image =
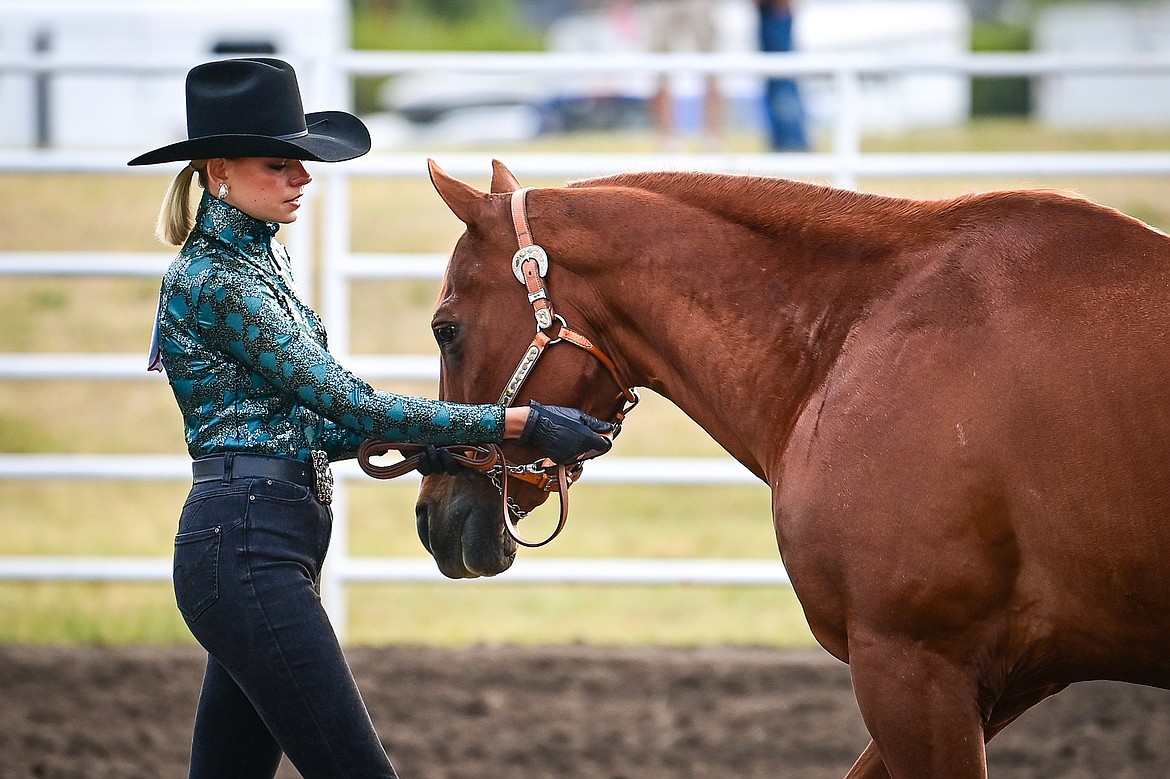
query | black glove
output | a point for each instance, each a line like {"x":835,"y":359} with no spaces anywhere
{"x":432,"y":459}
{"x":565,"y":434}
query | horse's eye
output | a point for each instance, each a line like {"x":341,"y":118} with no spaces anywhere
{"x":445,"y":334}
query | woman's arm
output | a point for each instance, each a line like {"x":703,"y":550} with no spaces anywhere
{"x":244,"y":319}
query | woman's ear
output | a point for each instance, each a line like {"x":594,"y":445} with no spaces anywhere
{"x":217,"y":172}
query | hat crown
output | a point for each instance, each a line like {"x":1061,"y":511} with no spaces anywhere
{"x":244,"y":97}
{"x":251,"y":107}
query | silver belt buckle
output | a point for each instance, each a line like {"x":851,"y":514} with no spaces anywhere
{"x":324,"y":477}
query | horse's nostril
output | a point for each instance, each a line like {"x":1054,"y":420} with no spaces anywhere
{"x":422,"y":524}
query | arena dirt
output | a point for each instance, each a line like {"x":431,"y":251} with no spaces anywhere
{"x":567,"y":712}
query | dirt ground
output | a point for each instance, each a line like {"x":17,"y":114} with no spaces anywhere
{"x":550,"y":712}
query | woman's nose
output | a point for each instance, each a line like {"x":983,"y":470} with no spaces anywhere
{"x":301,"y":176}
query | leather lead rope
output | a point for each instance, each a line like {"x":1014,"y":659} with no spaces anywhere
{"x":476,"y":458}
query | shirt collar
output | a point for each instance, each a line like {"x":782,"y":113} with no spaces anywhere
{"x":227,"y":224}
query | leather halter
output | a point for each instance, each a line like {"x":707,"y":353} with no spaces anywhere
{"x":530,"y":265}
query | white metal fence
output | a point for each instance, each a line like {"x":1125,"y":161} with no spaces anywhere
{"x":844,"y":163}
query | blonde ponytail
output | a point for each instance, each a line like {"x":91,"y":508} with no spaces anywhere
{"x":174,"y":218}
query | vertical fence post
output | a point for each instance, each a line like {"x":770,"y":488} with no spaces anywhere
{"x":847,"y":128}
{"x":42,"y":93}
{"x":335,"y":250}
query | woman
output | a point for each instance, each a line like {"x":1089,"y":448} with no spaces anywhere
{"x":265,"y":408}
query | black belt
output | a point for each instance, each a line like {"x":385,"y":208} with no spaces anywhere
{"x":241,"y":465}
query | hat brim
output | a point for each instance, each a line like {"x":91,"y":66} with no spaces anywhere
{"x":333,"y":136}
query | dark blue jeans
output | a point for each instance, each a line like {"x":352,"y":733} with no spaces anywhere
{"x":782,"y":102}
{"x":248,"y":558}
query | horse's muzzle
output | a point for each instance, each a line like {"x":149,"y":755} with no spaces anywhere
{"x":461,"y":528}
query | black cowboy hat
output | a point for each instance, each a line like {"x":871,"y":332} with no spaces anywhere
{"x":252,"y":108}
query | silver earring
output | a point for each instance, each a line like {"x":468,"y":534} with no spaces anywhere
{"x":223,"y":191}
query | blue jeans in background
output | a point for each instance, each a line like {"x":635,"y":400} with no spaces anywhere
{"x":248,"y":558}
{"x":782,"y":103}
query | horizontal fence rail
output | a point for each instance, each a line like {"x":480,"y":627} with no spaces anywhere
{"x":157,"y":467}
{"x":641,"y":470}
{"x":329,"y":82}
{"x":411,"y":570}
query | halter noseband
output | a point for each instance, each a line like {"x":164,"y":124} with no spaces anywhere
{"x":530,"y":266}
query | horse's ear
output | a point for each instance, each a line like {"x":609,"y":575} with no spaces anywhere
{"x":503,"y":180}
{"x":464,"y":200}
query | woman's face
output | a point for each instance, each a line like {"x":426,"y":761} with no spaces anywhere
{"x":264,"y":188}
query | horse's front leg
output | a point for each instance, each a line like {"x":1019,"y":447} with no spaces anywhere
{"x":921,"y":709}
{"x":869,"y":765}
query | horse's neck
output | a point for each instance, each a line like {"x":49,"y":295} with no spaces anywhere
{"x":732,"y":326}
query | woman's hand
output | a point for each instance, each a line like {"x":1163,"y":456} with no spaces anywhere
{"x":437,"y":460}
{"x":564,"y":434}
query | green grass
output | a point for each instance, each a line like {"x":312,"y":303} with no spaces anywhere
{"x":476,"y":25}
{"x":83,"y":613}
{"x":450,"y":614}
{"x":65,"y":212}
{"x":467,"y":613}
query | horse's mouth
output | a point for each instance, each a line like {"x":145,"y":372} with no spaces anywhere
{"x":475,"y":543}
{"x":487,"y":549}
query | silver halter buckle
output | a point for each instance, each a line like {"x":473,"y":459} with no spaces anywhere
{"x":530,"y":252}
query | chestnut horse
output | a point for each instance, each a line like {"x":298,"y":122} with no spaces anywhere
{"x":962,"y":408}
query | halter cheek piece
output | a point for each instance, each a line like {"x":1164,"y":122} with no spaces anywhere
{"x":530,"y":266}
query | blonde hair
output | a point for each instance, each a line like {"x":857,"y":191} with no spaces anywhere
{"x":174,"y":218}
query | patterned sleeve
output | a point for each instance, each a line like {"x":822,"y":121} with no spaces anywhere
{"x":338,"y":442}
{"x":243,"y":318}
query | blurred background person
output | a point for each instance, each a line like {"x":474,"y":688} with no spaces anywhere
{"x":683,"y":25}
{"x":782,"y":104}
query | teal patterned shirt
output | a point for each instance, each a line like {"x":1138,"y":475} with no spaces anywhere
{"x":248,"y":360}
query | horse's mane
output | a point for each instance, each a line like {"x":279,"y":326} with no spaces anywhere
{"x":777,"y":207}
